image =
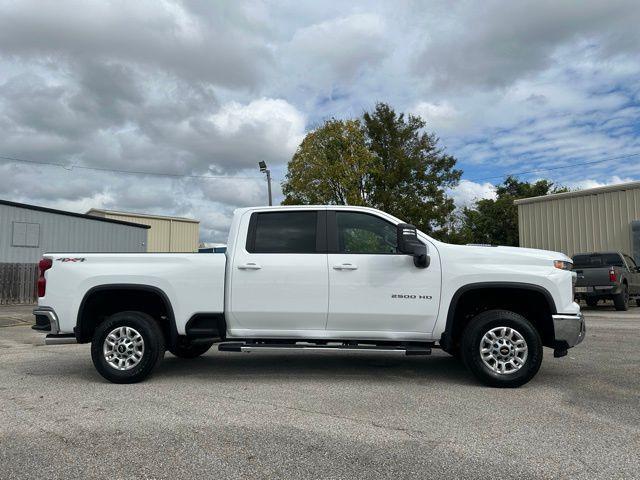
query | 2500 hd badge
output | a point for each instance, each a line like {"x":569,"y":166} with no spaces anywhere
{"x":411,"y":296}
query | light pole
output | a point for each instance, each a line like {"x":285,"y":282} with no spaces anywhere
{"x":264,"y":169}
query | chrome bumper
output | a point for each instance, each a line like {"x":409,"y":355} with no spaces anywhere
{"x":570,"y":330}
{"x":51,"y":316}
{"x":54,"y":337}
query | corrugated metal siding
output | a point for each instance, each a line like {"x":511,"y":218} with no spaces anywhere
{"x":185,"y":236}
{"x":591,"y":222}
{"x":166,"y":234}
{"x":18,"y":283}
{"x":61,"y":233}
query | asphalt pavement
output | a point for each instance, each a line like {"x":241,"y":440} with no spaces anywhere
{"x":320,"y":415}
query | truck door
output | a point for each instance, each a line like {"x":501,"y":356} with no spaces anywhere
{"x":278,"y":277}
{"x":634,"y":275}
{"x":372,"y":288}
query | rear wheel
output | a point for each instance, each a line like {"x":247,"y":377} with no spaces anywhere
{"x":621,"y":300}
{"x":127,"y":346}
{"x":638,"y":302}
{"x":190,"y":349}
{"x":592,"y":302}
{"x":502,"y":348}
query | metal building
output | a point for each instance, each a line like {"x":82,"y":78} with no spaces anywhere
{"x":167,"y":234}
{"x":595,"y":219}
{"x":28,"y":231}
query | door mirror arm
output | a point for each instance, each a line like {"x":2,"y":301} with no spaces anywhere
{"x":409,"y":244}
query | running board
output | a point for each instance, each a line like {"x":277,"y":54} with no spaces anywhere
{"x":60,"y":339}
{"x":256,"y":347}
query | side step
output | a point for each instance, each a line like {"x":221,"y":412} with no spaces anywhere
{"x":60,"y":339}
{"x":339,"y":347}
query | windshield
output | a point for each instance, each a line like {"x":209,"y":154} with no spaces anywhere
{"x":597,"y":260}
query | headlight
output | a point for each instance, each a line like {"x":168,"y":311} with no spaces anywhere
{"x":562,"y":264}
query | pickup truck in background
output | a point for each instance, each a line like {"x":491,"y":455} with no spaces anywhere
{"x":324,"y":278}
{"x":607,"y":276}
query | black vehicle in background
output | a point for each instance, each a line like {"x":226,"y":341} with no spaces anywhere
{"x":607,"y":276}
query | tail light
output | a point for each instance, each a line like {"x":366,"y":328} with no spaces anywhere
{"x":44,"y":265}
{"x":612,"y":275}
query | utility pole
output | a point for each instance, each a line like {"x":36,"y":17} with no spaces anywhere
{"x":264,"y":169}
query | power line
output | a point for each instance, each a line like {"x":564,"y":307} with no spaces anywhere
{"x":557,"y":168}
{"x":222,"y":177}
{"x":130,"y":172}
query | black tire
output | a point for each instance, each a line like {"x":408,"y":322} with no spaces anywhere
{"x":621,"y":300}
{"x":471,"y":341}
{"x":153,"y":351}
{"x":190,"y":349}
{"x":638,"y":302}
{"x":592,"y":302}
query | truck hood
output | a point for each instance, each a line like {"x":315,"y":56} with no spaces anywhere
{"x":505,"y":255}
{"x":533,"y":252}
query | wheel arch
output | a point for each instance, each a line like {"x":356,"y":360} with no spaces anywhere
{"x":455,"y":319}
{"x":136,"y":297}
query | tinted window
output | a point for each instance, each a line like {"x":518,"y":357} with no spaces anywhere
{"x":285,"y":232}
{"x":363,"y":233}
{"x":597,"y":260}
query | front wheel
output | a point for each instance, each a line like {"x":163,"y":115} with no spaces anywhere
{"x":127,"y":346}
{"x":502,"y":348}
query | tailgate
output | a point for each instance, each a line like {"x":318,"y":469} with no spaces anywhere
{"x":592,"y":277}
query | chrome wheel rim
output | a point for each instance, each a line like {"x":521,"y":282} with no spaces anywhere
{"x":123,"y":348}
{"x":503,"y":350}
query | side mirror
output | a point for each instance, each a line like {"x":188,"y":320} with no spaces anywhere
{"x":409,"y":244}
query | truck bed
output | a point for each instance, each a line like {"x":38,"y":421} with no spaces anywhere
{"x":193,"y":282}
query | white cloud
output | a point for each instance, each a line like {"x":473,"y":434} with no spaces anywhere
{"x":468,"y":192}
{"x":588,"y":183}
{"x":341,"y":44}
{"x":331,"y":54}
{"x":279,"y":124}
{"x":493,"y":43}
{"x":439,"y":116}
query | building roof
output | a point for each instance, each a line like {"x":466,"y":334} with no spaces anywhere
{"x":141,"y":215}
{"x":581,"y":193}
{"x":70,"y":214}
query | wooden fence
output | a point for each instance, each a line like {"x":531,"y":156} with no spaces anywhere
{"x":18,"y":283}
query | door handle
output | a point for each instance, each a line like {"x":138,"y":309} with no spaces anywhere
{"x":249,"y":266}
{"x":345,"y":266}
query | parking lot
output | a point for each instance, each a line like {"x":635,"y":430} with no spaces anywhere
{"x":316,"y":415}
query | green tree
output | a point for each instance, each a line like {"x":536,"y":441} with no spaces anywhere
{"x":386,"y":161}
{"x":331,"y":166}
{"x":412,"y":172}
{"x":496,"y":221}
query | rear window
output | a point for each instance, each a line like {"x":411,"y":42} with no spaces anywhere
{"x":597,"y":260}
{"x":284,"y":232}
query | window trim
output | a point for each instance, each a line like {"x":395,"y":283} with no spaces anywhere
{"x":321,"y":232}
{"x":332,"y":232}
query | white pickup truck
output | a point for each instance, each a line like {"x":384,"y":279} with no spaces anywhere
{"x":315,"y":278}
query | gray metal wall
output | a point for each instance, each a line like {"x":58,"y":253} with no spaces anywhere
{"x":18,"y":283}
{"x":63,"y":233}
{"x":591,"y":220}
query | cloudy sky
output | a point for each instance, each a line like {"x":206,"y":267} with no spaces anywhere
{"x":209,"y":88}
